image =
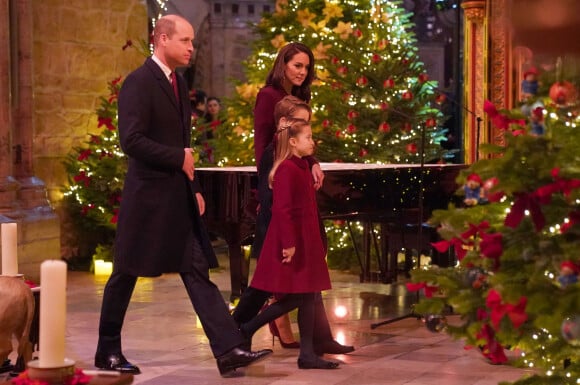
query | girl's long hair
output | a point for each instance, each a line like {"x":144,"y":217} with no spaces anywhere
{"x":276,"y":76}
{"x":291,"y":128}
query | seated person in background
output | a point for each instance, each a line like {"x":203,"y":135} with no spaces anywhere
{"x":198,"y":99}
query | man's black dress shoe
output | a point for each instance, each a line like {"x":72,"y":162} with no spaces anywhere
{"x":237,"y":358}
{"x":116,"y":362}
{"x":318,"y":363}
{"x":332,"y":347}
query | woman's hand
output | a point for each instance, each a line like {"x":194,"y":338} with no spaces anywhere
{"x":287,"y":254}
{"x":318,"y":176}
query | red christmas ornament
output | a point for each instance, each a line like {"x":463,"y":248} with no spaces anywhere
{"x":376,"y":58}
{"x":407,"y":127}
{"x":383,"y":43}
{"x":352,"y":114}
{"x":357,"y":33}
{"x":363,"y":152}
{"x":411,"y":148}
{"x":389,"y":83}
{"x":326,"y":123}
{"x":563,"y":93}
{"x":362,"y":81}
{"x":336,"y":85}
{"x":423,"y":78}
{"x":343,"y":70}
{"x":384,"y":106}
{"x":407,"y":95}
{"x":338,"y":134}
{"x":430,"y":122}
{"x":351,"y":128}
{"x":384,"y":127}
{"x":335,"y":60}
{"x":440,"y":98}
{"x":346,"y":96}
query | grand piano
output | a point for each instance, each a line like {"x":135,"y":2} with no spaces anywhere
{"x":383,"y":194}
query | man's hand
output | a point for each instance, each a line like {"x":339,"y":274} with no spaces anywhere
{"x":287,"y":254}
{"x":200,"y":203}
{"x":318,"y":176}
{"x":188,"y":163}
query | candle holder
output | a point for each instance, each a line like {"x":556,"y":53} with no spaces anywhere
{"x":21,"y":276}
{"x":59,"y":375}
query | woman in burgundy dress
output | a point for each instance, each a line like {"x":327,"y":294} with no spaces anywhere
{"x":292,"y":261}
{"x":274,"y":102}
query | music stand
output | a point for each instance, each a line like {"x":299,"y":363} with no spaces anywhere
{"x":412,"y":314}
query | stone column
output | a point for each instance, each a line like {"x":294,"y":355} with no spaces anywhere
{"x":32,"y":194}
{"x":474,"y":76}
{"x":23,"y":198}
{"x":8,"y":185}
{"x":501,"y":80}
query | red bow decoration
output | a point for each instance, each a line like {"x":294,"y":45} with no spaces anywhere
{"x":565,"y":186}
{"x":492,"y":349}
{"x":530,"y":202}
{"x":516,"y":313}
{"x":475,"y":229}
{"x":429,"y":290}
{"x":491,"y":247}
{"x":443,"y":246}
{"x":459,"y":243}
{"x":499,"y":120}
{"x":107,"y":122}
{"x":573,"y":219}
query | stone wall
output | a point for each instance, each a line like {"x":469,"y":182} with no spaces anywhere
{"x":77,"y":51}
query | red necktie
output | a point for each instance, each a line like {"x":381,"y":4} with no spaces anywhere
{"x":174,"y":84}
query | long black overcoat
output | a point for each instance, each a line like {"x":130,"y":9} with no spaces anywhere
{"x":158,"y":218}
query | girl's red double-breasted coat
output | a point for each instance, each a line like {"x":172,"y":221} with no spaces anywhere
{"x":294,"y":223}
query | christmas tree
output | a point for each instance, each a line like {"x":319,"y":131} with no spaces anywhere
{"x":96,"y":172}
{"x":515,"y":286}
{"x":372,"y":96}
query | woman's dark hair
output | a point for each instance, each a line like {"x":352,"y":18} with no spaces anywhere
{"x":276,"y":76}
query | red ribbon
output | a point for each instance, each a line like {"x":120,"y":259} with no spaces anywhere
{"x":492,"y":349}
{"x":573,"y":219}
{"x":499,"y":120}
{"x":491,"y":247}
{"x":525,"y":202}
{"x":429,"y":290}
{"x":516,"y":313}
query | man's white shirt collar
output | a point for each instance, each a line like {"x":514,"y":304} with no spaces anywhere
{"x":166,"y":70}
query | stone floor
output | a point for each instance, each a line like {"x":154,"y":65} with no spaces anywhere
{"x":163,"y":337}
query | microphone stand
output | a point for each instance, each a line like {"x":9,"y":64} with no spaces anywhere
{"x":478,"y":119}
{"x":412,"y":313}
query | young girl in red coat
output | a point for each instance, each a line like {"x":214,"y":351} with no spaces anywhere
{"x":292,"y":261}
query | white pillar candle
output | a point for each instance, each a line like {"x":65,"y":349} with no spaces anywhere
{"x":52,"y":314}
{"x":9,"y":249}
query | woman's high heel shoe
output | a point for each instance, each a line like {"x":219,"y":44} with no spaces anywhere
{"x":276,"y":333}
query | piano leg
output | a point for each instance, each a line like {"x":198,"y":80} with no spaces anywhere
{"x":239,"y":263}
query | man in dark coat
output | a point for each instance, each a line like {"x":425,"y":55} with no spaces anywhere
{"x":159,"y":228}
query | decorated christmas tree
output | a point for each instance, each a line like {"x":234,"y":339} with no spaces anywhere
{"x":96,"y":172}
{"x":372,"y":96}
{"x":515,"y":286}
